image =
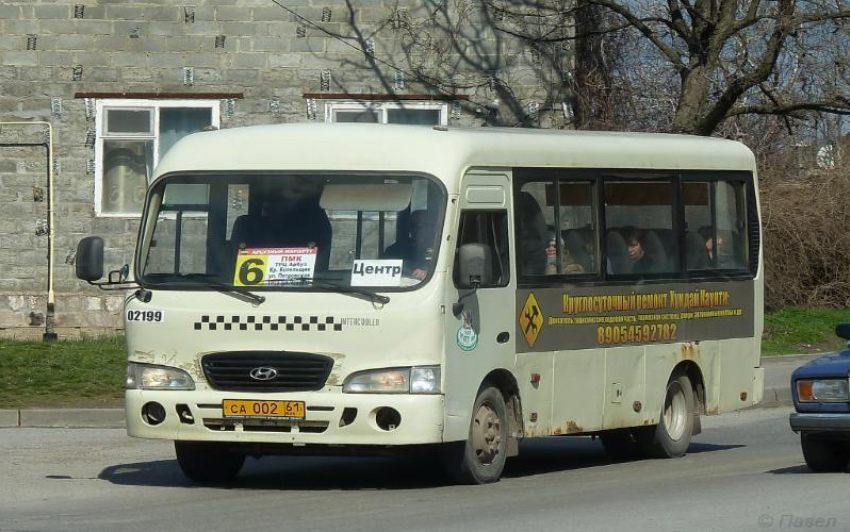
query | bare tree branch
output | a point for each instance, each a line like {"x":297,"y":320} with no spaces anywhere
{"x":671,"y":53}
{"x":839,"y":106}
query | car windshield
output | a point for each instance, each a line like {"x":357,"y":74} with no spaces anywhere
{"x":298,"y":232}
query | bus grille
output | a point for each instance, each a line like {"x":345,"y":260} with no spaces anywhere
{"x":293,"y":372}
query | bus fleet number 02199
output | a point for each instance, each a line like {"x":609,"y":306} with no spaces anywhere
{"x":154,"y":316}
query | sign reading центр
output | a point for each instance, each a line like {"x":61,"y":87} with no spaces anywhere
{"x":376,"y":273}
{"x":261,"y":266}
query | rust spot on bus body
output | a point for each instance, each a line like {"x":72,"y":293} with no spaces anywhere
{"x":531,"y":432}
{"x":689,"y":350}
{"x":573,"y":428}
{"x":569,"y":427}
{"x":334,"y":377}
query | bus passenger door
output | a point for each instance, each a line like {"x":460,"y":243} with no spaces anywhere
{"x":479,"y":323}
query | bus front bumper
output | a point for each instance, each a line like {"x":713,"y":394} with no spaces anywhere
{"x":331,"y":418}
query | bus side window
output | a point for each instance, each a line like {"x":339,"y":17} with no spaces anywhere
{"x":491,"y":229}
{"x":555,"y":227}
{"x":715,"y":218}
{"x":642,"y":213}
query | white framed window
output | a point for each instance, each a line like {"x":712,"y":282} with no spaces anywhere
{"x":424,"y":113}
{"x":132,"y":136}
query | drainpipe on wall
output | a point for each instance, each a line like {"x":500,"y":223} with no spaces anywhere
{"x":49,"y":320}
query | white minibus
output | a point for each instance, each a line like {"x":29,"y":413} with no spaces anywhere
{"x":348,"y":288}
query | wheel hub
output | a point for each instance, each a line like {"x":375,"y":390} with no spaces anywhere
{"x":486,"y":434}
{"x":675,"y":411}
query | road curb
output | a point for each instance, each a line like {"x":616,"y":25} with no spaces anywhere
{"x":70,"y":418}
{"x":9,"y":419}
{"x":775,"y":397}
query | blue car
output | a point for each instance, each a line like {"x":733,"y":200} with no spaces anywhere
{"x":821,"y":393}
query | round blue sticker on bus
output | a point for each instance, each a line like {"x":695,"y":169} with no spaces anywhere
{"x":467,"y":338}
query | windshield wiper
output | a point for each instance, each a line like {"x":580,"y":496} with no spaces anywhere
{"x":341,"y":289}
{"x":236,"y":291}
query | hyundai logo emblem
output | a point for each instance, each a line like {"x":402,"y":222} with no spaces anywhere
{"x":263,"y":373}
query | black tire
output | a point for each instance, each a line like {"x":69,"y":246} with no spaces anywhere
{"x":208,"y":462}
{"x":622,"y":445}
{"x":671,"y":437}
{"x":824,"y":456}
{"x":481,"y":458}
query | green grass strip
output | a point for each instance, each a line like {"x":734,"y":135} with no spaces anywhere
{"x":794,"y":330}
{"x":65,"y":373}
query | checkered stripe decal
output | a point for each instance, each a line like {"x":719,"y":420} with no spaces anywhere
{"x":268,"y":323}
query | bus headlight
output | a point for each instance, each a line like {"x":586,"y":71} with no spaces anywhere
{"x":825,"y":390}
{"x":425,"y":379}
{"x":419,"y":380}
{"x":144,"y":377}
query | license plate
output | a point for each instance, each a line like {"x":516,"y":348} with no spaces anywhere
{"x":242,"y":408}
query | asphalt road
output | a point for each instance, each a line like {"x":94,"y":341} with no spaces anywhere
{"x":745,"y":472}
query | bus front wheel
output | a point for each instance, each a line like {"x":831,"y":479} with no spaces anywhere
{"x":672,"y":435}
{"x":208,"y":462}
{"x":481,"y":458}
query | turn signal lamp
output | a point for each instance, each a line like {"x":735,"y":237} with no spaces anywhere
{"x":804,"y":391}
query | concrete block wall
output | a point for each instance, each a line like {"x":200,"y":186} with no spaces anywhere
{"x":53,"y":50}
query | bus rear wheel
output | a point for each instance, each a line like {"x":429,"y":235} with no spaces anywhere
{"x":672,"y":435}
{"x":481,"y":458}
{"x":208,"y":462}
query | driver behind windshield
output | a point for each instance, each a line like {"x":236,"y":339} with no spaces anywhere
{"x":417,"y":249}
{"x":290,"y":216}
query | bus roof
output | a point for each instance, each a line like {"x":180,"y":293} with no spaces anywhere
{"x":442,"y":152}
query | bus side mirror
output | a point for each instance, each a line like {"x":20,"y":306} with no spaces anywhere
{"x":842,"y":330}
{"x":90,"y":259}
{"x":475,"y":266}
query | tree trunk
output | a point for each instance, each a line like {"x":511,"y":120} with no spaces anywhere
{"x":592,"y":81}
{"x":693,"y":101}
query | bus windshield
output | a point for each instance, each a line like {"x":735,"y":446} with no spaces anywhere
{"x":291,"y":232}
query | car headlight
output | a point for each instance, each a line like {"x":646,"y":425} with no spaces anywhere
{"x":418,"y":380}
{"x":823,"y":390}
{"x":144,"y":377}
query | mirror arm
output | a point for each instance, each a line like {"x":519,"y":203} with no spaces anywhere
{"x":457,"y":308}
{"x":109,"y":285}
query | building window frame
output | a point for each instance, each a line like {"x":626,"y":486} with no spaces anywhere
{"x":103,"y":106}
{"x":382,"y":108}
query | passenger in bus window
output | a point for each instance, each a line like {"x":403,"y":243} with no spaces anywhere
{"x":580,"y":251}
{"x":729,"y":255}
{"x":642,"y":262}
{"x":725,"y":258}
{"x":568,"y":263}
